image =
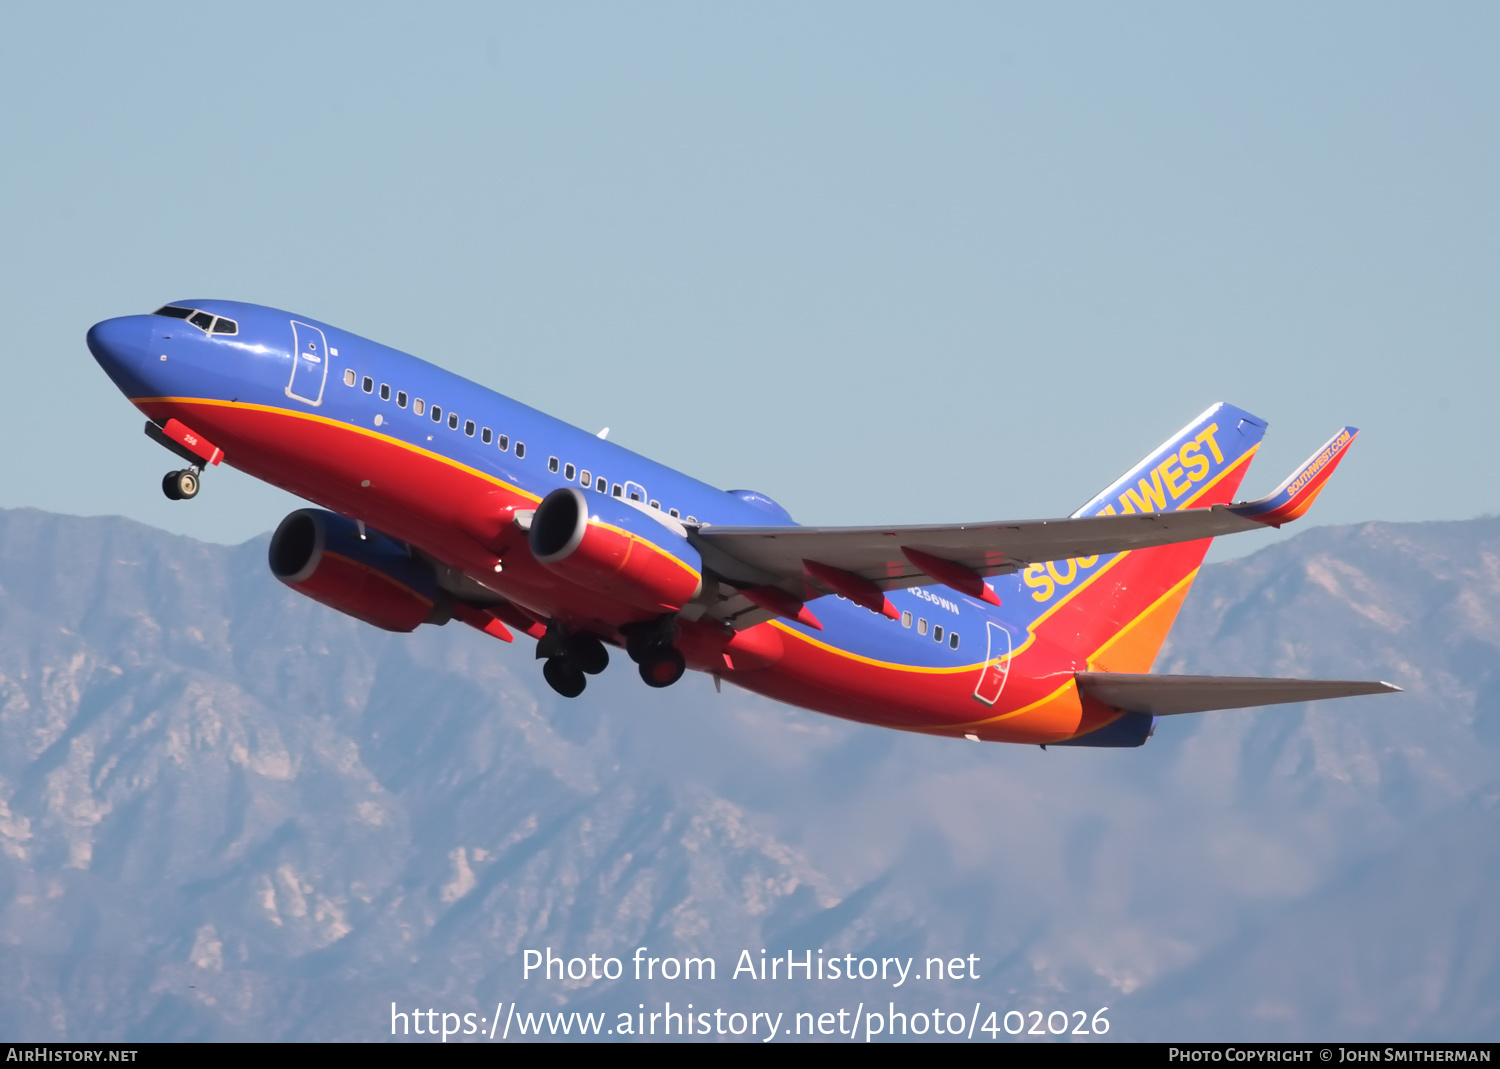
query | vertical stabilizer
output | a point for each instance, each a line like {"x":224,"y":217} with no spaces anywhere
{"x":1122,"y":606}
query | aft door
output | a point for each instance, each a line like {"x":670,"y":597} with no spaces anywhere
{"x":309,"y":365}
{"x":996,"y":664}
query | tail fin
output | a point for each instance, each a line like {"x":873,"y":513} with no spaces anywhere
{"x":1123,"y":606}
{"x":1200,"y":465}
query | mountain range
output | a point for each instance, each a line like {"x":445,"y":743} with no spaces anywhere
{"x":227,"y":812}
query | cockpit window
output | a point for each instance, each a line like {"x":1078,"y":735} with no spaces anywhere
{"x":204,"y":321}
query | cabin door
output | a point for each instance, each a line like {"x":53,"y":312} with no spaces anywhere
{"x":309,"y":364}
{"x":996,"y":664}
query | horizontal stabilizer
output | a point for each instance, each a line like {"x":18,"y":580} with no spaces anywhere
{"x":1162,"y":695}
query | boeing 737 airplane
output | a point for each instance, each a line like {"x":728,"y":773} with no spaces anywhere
{"x":445,"y":500}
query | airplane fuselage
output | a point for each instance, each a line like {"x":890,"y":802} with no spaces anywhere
{"x":452,"y":469}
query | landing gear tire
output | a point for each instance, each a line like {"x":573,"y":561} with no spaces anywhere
{"x":563,"y":676}
{"x":589,"y":654}
{"x":662,"y":667}
{"x":180,"y":485}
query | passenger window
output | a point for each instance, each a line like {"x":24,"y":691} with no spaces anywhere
{"x":469,"y":427}
{"x":226,"y":326}
{"x":569,"y":471}
{"x":692,"y":519}
{"x":656,"y":505}
{"x":201,"y":319}
{"x":485,"y":436}
{"x":937,"y":632}
{"x":349,"y":376}
{"x":953,"y":640}
{"x":552,"y":465}
{"x":437,"y":413}
{"x":504,"y":443}
{"x":584,"y":478}
{"x":601,"y":484}
{"x":385,"y":391}
{"x":453,"y":421}
{"x":634,"y":496}
{"x":619,"y":490}
{"x":906,"y":618}
{"x":673,"y":513}
{"x":368,"y":385}
{"x":921,"y":625}
{"x":416,"y":406}
{"x":520,"y":450}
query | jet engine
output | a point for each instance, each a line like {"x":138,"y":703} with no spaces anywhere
{"x":361,"y":573}
{"x":637,"y":555}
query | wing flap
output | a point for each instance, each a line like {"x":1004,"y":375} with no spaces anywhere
{"x":1163,"y":695}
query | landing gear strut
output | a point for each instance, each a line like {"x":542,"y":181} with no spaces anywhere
{"x":180,"y":485}
{"x":570,"y":659}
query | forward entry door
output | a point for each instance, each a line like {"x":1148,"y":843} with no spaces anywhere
{"x":309,"y":365}
{"x":996,"y":664}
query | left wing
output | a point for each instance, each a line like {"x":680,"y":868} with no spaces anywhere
{"x":775,"y":569}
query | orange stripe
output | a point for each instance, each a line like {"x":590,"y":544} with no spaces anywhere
{"x":1178,"y":591}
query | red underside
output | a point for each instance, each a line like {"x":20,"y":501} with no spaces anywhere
{"x":465,"y":521}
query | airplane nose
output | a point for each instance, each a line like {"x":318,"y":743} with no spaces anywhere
{"x":120,"y":346}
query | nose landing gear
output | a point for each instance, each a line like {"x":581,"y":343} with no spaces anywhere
{"x":180,"y":485}
{"x":192,"y":447}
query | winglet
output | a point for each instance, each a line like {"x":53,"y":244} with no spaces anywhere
{"x":1295,"y":496}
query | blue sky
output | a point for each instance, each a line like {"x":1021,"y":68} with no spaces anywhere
{"x":884,"y":263}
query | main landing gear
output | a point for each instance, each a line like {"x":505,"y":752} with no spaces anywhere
{"x":570,"y":659}
{"x":650,"y":646}
{"x":181,"y":485}
{"x":662,"y":666}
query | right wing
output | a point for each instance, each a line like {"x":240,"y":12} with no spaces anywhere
{"x":762,"y":565}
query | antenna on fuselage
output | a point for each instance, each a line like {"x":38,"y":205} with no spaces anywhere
{"x":604,"y":433}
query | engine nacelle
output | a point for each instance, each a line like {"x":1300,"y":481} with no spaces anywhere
{"x":637,"y":556}
{"x":374,"y":578}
